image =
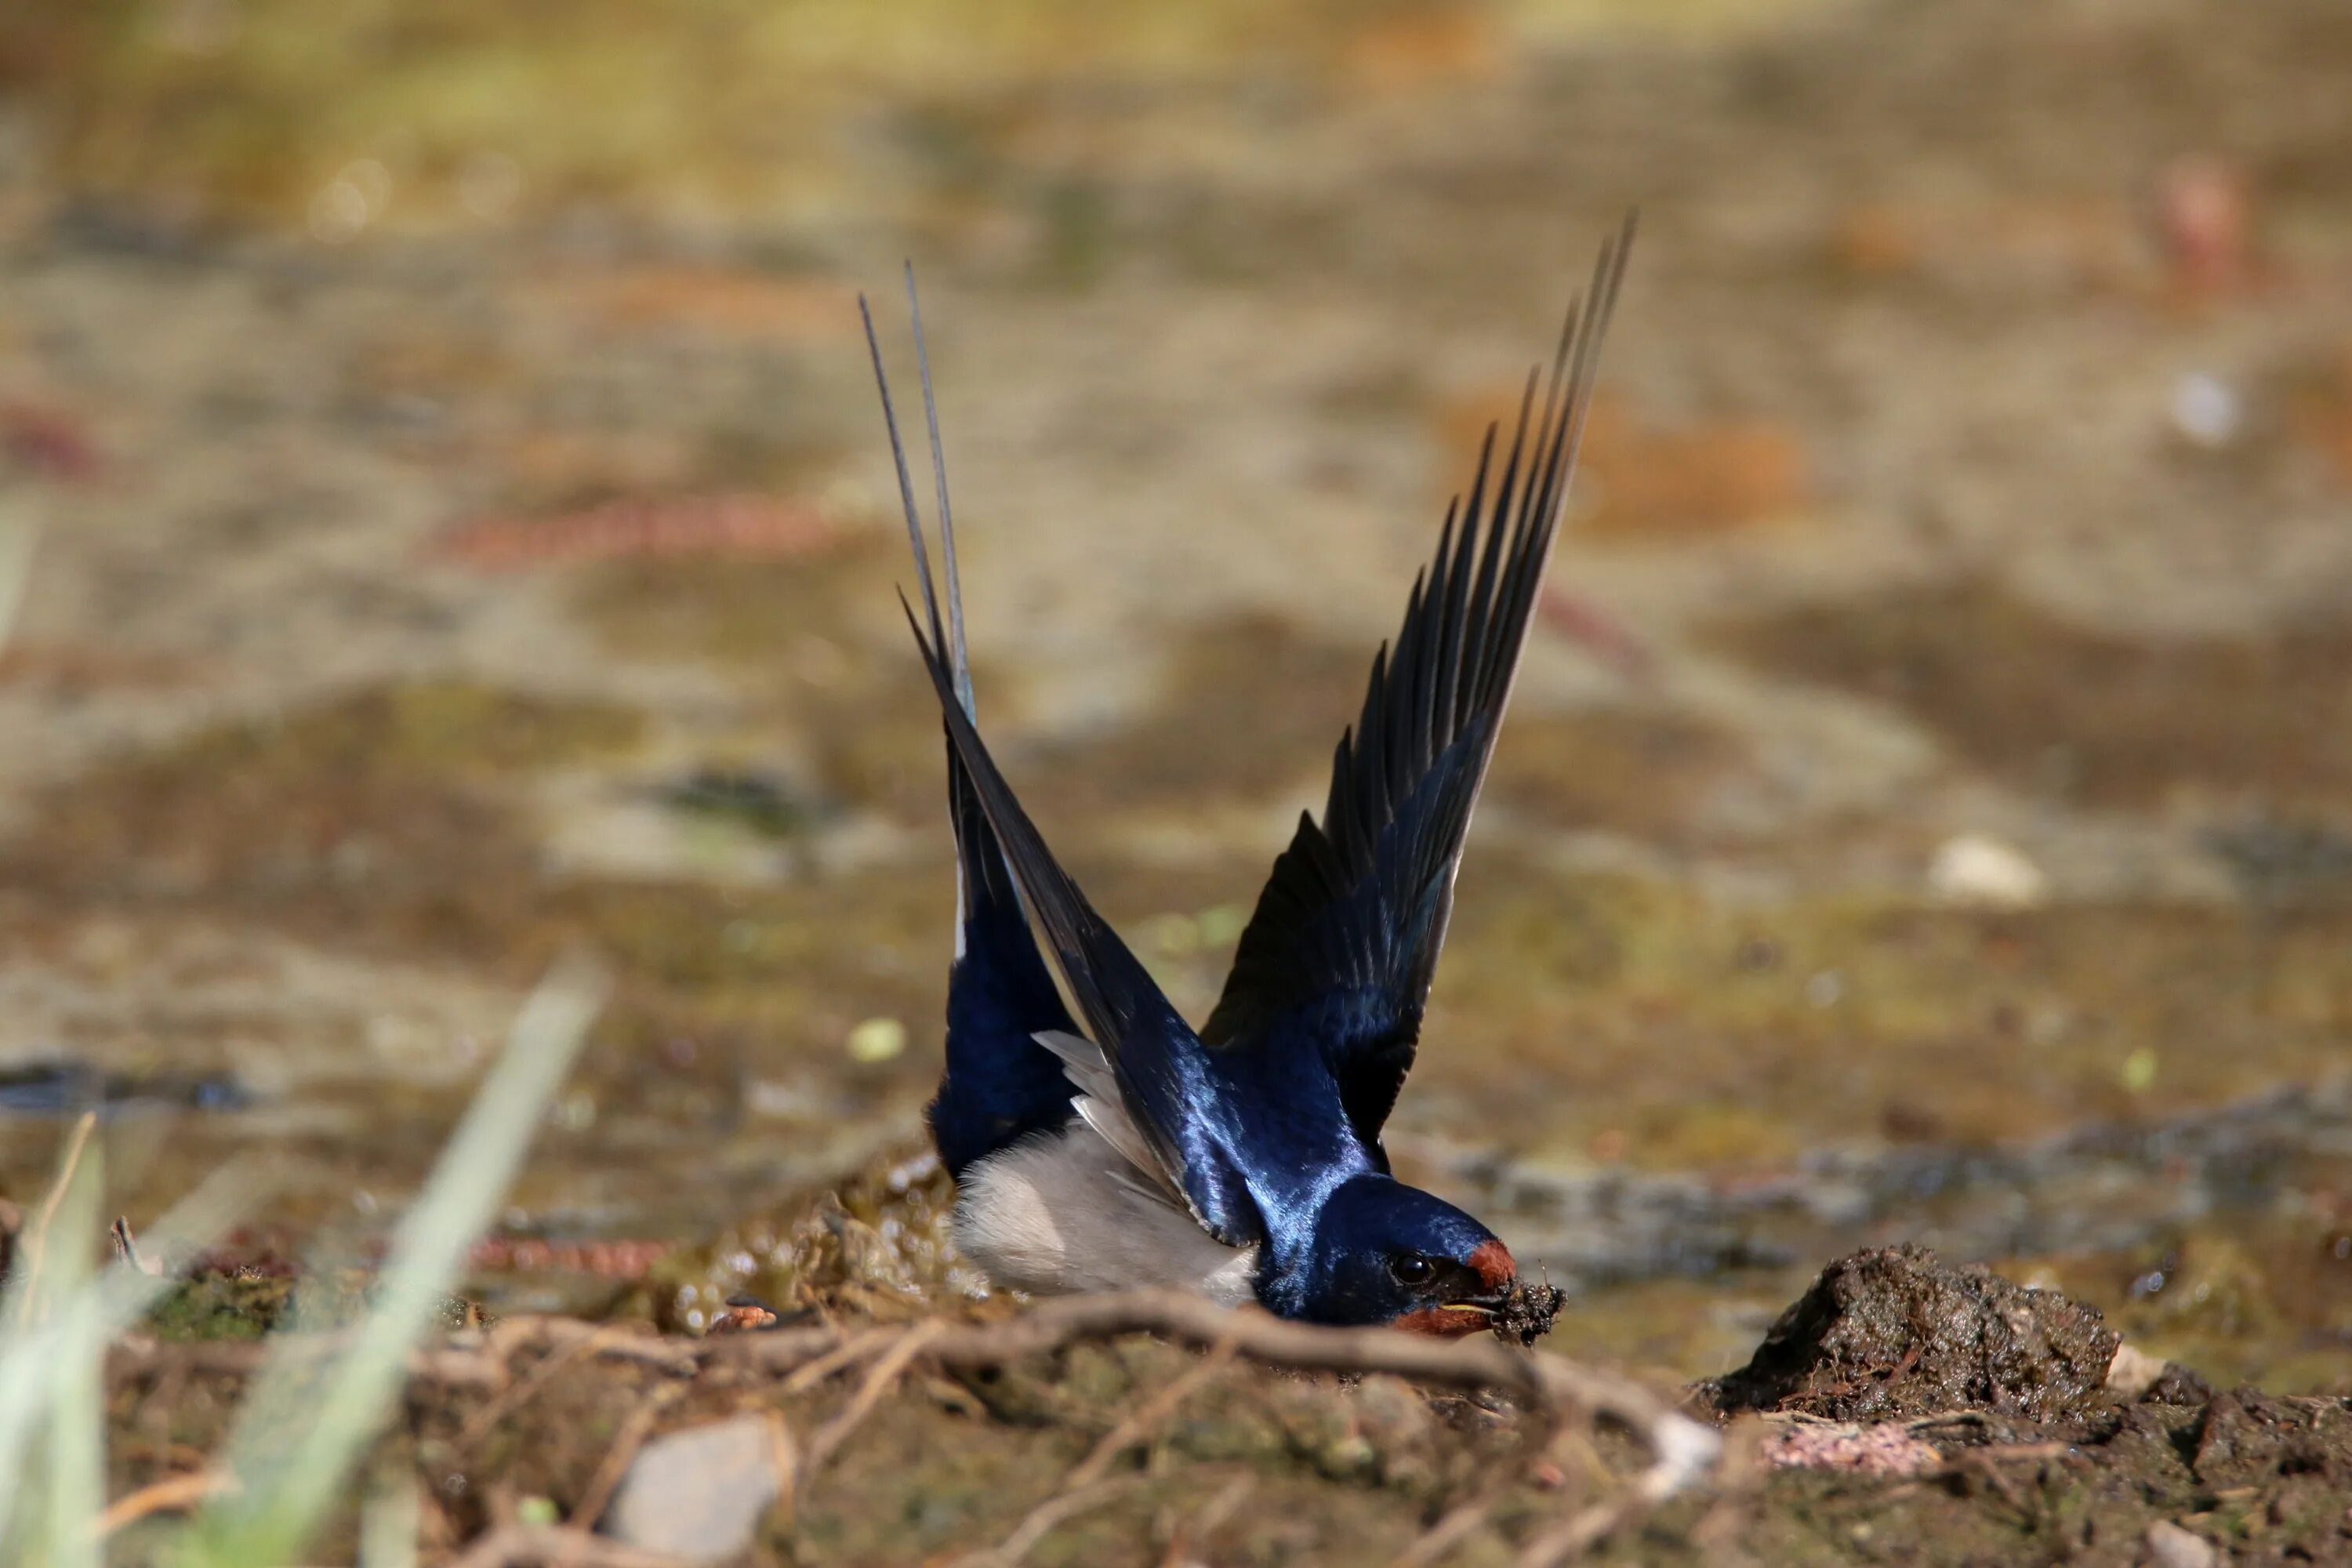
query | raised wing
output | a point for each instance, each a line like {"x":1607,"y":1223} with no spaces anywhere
{"x":1163,"y":1074}
{"x":1337,"y":957}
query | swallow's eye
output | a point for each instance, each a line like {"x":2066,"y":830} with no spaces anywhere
{"x":1411,"y":1268}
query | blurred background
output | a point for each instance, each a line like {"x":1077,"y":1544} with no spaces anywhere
{"x":465,"y":531}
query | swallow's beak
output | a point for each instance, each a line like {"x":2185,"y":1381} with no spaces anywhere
{"x":1498,"y":1275}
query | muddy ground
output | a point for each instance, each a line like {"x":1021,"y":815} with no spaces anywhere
{"x":1927,"y":814}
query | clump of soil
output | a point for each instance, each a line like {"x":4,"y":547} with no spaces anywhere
{"x":1897,"y":1332}
{"x":1529,"y":1311}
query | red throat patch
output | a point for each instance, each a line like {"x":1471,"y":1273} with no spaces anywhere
{"x":1444,"y":1322}
{"x":1494,"y":1265}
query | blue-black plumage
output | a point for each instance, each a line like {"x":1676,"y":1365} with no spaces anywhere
{"x":1122,"y":1148}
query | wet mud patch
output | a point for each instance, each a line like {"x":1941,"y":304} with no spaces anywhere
{"x":1247,"y":710}
{"x":390,"y":788}
{"x":818,"y":640}
{"x":2253,"y":1296}
{"x":1645,"y":772}
{"x":1612,"y":1019}
{"x":389,"y":828}
{"x":2081,"y":714}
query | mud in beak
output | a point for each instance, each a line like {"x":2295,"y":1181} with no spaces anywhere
{"x":1526,"y":1313}
{"x":1509,"y":1306}
{"x":1479,"y":1310}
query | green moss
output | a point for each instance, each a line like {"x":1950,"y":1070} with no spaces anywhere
{"x":221,"y":1306}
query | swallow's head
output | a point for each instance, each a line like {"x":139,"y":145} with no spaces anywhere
{"x":1387,"y":1253}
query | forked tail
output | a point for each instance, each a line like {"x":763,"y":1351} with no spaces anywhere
{"x":1000,"y":1085}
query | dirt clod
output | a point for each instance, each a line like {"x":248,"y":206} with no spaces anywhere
{"x":1528,"y":1312}
{"x":1896,"y":1332}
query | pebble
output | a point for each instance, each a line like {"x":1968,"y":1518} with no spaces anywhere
{"x":2133,"y":1373}
{"x":2206,"y":411}
{"x":2169,"y":1546}
{"x":877,"y":1040}
{"x":1987,"y":873}
{"x":698,"y":1495}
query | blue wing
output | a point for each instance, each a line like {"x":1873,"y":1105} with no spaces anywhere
{"x":1001,"y":1084}
{"x":1336,"y":959}
{"x":1187,"y":1113}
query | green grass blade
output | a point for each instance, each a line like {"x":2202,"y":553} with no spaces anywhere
{"x":389,"y":1521}
{"x":75,"y":1395}
{"x":303,"y":1428}
{"x":79,"y":1326}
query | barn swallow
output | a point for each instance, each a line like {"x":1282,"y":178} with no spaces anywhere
{"x":1121,"y":1148}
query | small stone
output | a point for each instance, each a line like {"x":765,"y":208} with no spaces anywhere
{"x":2206,"y":411}
{"x":1986,"y":873}
{"x":2133,"y":1373}
{"x":699,"y":1494}
{"x":878,"y":1040}
{"x":2169,"y":1546}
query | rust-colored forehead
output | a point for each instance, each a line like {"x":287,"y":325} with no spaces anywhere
{"x":1494,"y":1265}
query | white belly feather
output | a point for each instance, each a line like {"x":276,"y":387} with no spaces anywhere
{"x":1066,"y":1213}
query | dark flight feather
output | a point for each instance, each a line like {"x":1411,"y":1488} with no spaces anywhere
{"x":1162,"y":1072}
{"x":1337,"y":957}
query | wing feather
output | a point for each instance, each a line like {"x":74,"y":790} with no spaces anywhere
{"x":1339,"y":954}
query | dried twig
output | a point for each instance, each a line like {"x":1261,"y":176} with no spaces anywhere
{"x":878,"y":1379}
{"x":1040,"y":1521}
{"x":846,"y":1354}
{"x":1147,"y":1416}
{"x":169,"y":1495}
{"x":634,"y":1429}
{"x":1470,"y":1515}
{"x":1681,"y":1445}
{"x":1681,"y":1450}
{"x":615,"y":1340}
{"x":785,"y":1456}
{"x":1455,"y":1525}
{"x":1213,"y":1513}
{"x":518,"y":1394}
{"x":1582,"y":1529}
{"x":35,"y":1236}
